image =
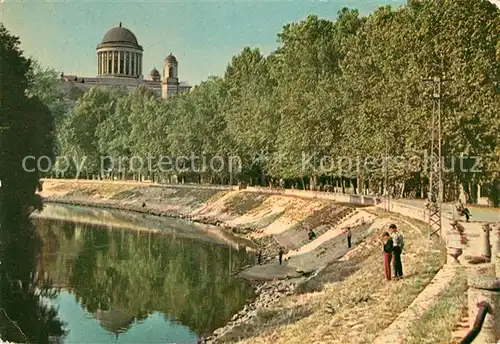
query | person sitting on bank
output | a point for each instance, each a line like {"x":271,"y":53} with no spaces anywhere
{"x":311,"y":234}
{"x":462,"y":210}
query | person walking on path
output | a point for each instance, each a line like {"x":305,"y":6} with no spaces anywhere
{"x":398,"y":246}
{"x":349,"y":237}
{"x":388,"y":247}
{"x":281,"y":253}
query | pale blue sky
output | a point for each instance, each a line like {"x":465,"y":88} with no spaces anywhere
{"x":203,"y":35}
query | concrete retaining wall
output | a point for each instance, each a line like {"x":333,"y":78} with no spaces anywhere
{"x":395,"y":207}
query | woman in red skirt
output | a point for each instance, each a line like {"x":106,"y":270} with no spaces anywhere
{"x":388,"y":246}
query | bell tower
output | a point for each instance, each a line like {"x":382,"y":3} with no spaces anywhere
{"x":170,"y":82}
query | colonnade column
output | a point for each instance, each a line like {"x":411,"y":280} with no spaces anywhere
{"x":140,"y":66}
{"x":134,"y":72}
{"x":129,"y":63}
{"x":103,"y":60}
{"x":137,"y":65}
{"x":118,"y":60}
{"x":132,"y":64}
{"x":111,"y":60}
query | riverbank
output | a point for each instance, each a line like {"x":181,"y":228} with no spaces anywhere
{"x":291,"y":298}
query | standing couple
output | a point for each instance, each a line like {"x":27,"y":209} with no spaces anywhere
{"x":393,"y":247}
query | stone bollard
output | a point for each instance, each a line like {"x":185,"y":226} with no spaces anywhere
{"x":497,"y":256}
{"x":485,"y":241}
{"x":484,"y":286}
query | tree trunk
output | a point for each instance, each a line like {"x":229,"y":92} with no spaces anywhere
{"x":263,"y":179}
{"x":360,"y":182}
{"x":313,"y":182}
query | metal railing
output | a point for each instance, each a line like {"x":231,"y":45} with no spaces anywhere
{"x":484,"y":309}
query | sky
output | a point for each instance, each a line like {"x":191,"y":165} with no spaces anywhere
{"x":203,"y":35}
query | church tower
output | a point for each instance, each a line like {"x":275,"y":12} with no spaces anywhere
{"x":170,"y":83}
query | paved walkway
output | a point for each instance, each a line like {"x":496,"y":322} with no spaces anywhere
{"x":478,"y":213}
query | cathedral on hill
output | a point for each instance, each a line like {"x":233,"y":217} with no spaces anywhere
{"x":119,"y":63}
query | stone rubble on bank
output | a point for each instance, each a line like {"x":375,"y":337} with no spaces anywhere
{"x":266,"y":294}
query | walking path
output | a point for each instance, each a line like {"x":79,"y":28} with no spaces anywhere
{"x":478,"y":213}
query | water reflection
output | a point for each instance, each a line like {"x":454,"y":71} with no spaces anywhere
{"x":24,"y":316}
{"x":124,"y":278}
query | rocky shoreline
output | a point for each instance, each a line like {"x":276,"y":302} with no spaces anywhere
{"x":267,"y":293}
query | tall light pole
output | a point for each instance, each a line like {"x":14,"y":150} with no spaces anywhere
{"x":435,"y":196}
{"x":386,"y":182}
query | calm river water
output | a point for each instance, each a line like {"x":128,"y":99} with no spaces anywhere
{"x":113,"y":285}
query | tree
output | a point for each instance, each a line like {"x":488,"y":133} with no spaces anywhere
{"x":44,"y":84}
{"x":26,"y":129}
{"x":250,"y":110}
{"x":334,"y":101}
{"x":79,"y":134}
{"x":149,"y":120}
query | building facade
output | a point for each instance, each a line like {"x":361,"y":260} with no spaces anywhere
{"x":119,"y":63}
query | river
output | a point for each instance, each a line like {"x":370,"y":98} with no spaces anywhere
{"x":151,"y":281}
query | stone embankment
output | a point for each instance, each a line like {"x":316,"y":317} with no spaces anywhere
{"x":269,"y":219}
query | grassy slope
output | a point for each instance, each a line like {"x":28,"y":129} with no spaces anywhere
{"x":355,"y":309}
{"x":436,"y":326}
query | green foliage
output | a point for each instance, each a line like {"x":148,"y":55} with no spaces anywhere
{"x":349,"y":88}
{"x":24,"y":316}
{"x":26,"y":126}
{"x":44,"y":86}
{"x":185,"y":279}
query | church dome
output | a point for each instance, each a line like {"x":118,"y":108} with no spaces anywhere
{"x":154,"y":72}
{"x":171,"y":58}
{"x":119,"y":35}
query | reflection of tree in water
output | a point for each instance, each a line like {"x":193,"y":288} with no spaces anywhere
{"x":138,"y":274}
{"x":23,"y":315}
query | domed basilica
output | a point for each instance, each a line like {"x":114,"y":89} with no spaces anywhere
{"x":119,"y":63}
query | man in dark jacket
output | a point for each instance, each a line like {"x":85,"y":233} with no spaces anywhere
{"x":398,"y":246}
